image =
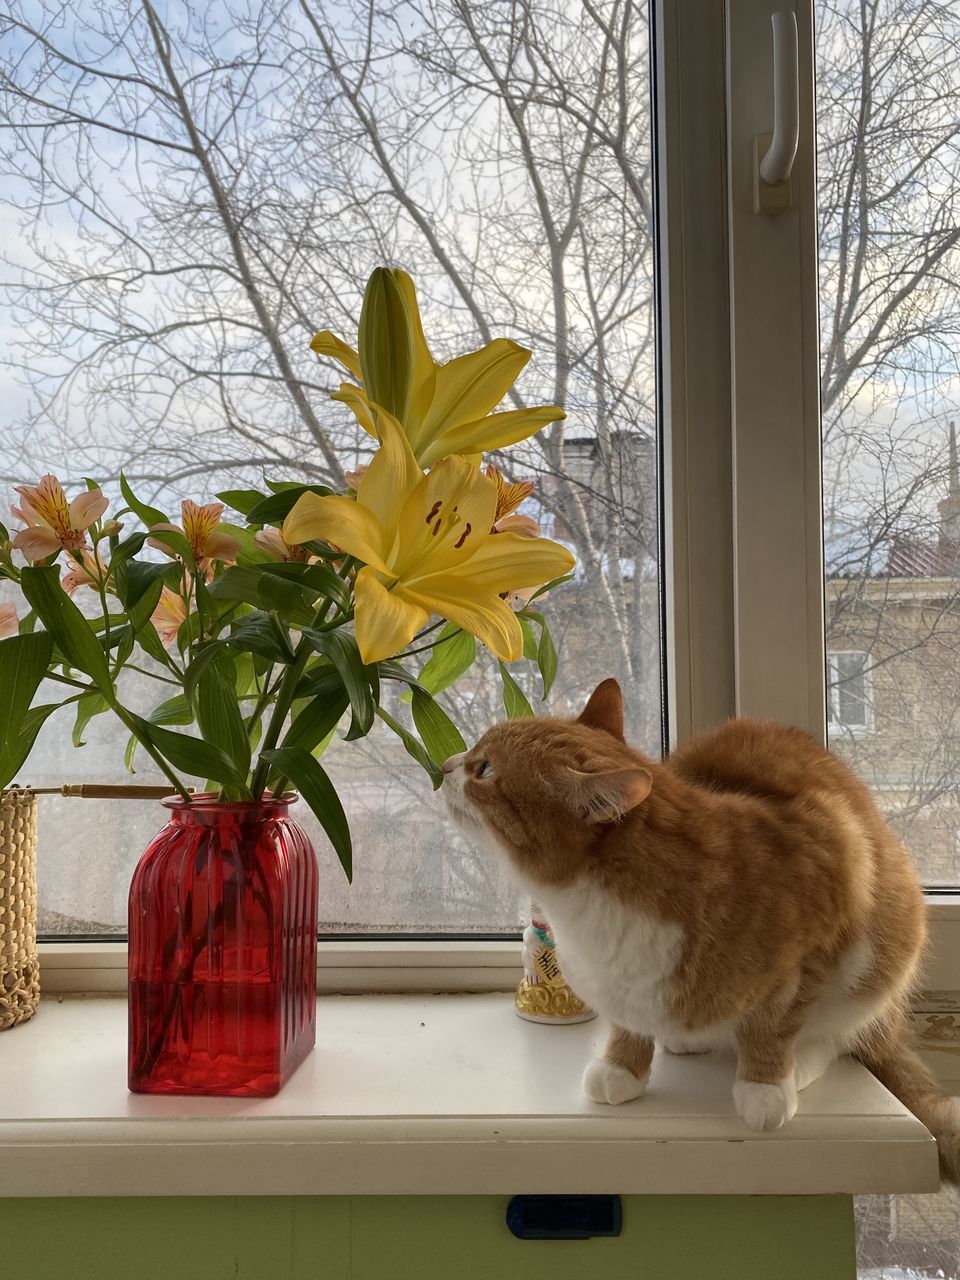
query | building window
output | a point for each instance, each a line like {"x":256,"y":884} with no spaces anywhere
{"x":848,"y":692}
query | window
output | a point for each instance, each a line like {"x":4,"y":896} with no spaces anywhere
{"x":848,"y":694}
{"x":171,"y":254}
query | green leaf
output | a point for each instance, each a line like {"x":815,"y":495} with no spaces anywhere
{"x":141,"y":609}
{"x":88,"y":705}
{"x":319,"y":717}
{"x":454,"y":652}
{"x":70,"y":630}
{"x":23,"y":664}
{"x":178,"y":544}
{"x":317,"y":579}
{"x":150,"y":642}
{"x":276,"y":508}
{"x":264,"y":591}
{"x":176,"y":710}
{"x":201,"y":660}
{"x":218,"y":711}
{"x":529,"y":639}
{"x":12,"y":759}
{"x":242,"y":500}
{"x":549,"y":586}
{"x":546,"y":651}
{"x":194,"y":756}
{"x":361,"y":682}
{"x":124,"y":553}
{"x":440,"y":735}
{"x":310,"y":779}
{"x":514,"y":701}
{"x":263,"y":634}
{"x":414,"y":748}
{"x":149,"y":515}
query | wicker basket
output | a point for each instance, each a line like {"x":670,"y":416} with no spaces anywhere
{"x":19,"y":967}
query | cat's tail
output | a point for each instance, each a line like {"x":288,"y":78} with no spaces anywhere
{"x":887,"y":1050}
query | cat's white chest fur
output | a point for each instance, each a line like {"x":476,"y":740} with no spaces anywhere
{"x":616,"y":958}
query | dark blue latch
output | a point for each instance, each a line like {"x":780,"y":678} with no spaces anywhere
{"x":564,"y":1217}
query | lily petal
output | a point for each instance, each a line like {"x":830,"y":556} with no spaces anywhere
{"x":86,"y":508}
{"x":162,"y":546}
{"x":504,"y":561}
{"x":221,"y":546}
{"x":496,"y":431}
{"x":386,"y":621}
{"x":451,"y":509}
{"x":469,"y":386}
{"x":525,"y":526}
{"x":393,"y":474}
{"x":326,"y":343}
{"x":423,"y":372}
{"x":37,"y":542}
{"x":355,"y":398}
{"x":341,"y":521}
{"x":9,"y":625}
{"x":485,"y":616}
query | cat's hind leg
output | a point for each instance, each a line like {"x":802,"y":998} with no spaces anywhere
{"x":623,"y":1071}
{"x":814,"y":1057}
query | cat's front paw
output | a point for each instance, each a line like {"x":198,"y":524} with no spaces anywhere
{"x":607,"y":1082}
{"x":765,"y":1106}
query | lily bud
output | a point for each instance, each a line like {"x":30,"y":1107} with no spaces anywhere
{"x":385,"y":343}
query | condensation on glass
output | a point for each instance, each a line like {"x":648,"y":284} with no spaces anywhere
{"x":502,"y":154}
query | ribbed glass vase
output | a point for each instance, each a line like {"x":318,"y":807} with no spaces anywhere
{"x":222,"y":950}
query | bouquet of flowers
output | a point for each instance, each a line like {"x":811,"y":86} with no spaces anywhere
{"x":262,"y":635}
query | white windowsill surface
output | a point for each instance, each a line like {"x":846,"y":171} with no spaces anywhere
{"x":413,"y":1094}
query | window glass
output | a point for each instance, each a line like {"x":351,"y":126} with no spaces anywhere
{"x":888,"y":98}
{"x":188,"y":199}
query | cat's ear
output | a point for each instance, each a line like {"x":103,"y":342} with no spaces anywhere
{"x":607,"y":795}
{"x":605,"y":709}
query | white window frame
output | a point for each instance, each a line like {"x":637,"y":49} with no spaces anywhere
{"x":742,"y":549}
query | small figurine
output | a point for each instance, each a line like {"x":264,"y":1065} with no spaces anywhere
{"x":543,"y":994}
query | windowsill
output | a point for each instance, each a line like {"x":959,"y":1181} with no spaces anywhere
{"x":408,"y":1094}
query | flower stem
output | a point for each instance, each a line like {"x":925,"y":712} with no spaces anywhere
{"x":288,"y":685}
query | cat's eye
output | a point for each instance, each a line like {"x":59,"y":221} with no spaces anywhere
{"x":485,"y":770}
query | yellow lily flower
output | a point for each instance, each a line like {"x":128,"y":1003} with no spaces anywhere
{"x":427,"y":545}
{"x":443,"y":408}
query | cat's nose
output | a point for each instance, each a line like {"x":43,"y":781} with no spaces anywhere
{"x":451,"y":763}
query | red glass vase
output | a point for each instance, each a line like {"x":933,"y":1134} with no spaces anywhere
{"x":222,"y":961}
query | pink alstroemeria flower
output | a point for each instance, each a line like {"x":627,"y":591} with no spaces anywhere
{"x":169,"y":616}
{"x":201,"y":528}
{"x":271,"y":541}
{"x":9,"y":623}
{"x":85,"y":572}
{"x":53,"y":523}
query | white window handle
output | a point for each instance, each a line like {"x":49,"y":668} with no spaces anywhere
{"x":777,"y":163}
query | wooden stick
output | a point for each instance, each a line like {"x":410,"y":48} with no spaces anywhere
{"x":106,"y":791}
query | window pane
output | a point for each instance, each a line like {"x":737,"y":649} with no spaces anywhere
{"x":888,"y":98}
{"x":171,"y":262}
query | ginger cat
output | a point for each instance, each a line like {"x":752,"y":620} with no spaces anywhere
{"x":745,"y":892}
